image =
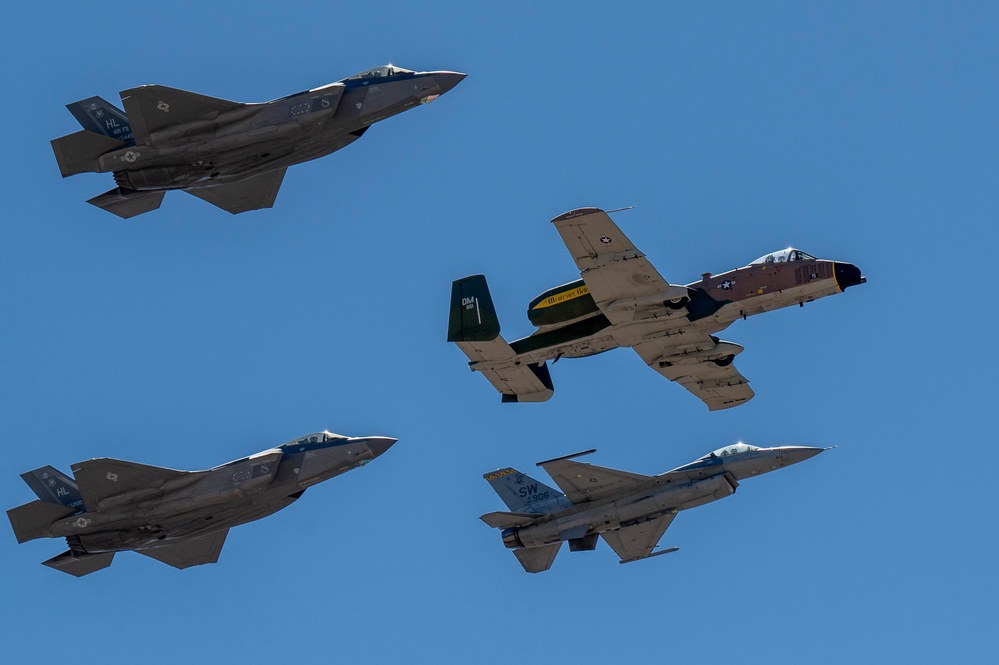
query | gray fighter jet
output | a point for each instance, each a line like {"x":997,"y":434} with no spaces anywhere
{"x":178,"y":517}
{"x":622,"y":301}
{"x":231,"y":154}
{"x":630,"y":511}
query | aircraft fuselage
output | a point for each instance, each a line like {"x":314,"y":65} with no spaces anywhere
{"x":572,"y":326}
{"x":258,"y":138}
{"x":202,"y":502}
{"x":689,"y":486}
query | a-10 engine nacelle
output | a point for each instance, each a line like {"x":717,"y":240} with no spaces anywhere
{"x":561,"y":304}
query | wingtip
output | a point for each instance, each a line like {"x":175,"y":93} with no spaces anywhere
{"x":578,"y":212}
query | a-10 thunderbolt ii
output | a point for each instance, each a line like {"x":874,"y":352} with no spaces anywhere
{"x":622,"y":301}
{"x":629,"y":510}
{"x":178,"y":517}
{"x":231,"y":154}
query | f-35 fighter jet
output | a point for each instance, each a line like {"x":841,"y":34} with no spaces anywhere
{"x":630,"y":511}
{"x":231,"y":154}
{"x":178,"y":517}
{"x":622,"y":301}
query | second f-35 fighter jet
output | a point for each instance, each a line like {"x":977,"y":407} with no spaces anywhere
{"x":178,"y":517}
{"x":231,"y":154}
{"x":630,"y":511}
{"x":622,"y":301}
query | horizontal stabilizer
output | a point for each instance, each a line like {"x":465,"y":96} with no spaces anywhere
{"x":501,"y":520}
{"x":534,"y":387}
{"x":32,"y":520}
{"x":537,"y":559}
{"x":80,"y":564}
{"x":205,"y":549}
{"x":128,"y":203}
{"x":81,"y":152}
{"x":515,"y":383}
{"x":254,"y":193}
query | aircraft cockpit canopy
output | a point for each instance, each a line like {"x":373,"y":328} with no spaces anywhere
{"x":379,"y":72}
{"x":783,"y":256}
{"x":318,"y":437}
{"x":734,"y":449}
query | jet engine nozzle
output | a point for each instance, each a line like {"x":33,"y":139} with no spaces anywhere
{"x":511,"y":538}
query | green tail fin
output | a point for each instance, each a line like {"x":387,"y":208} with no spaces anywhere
{"x":473,"y":317}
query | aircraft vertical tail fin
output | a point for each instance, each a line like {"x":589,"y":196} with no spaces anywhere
{"x":52,"y":485}
{"x":523,"y":494}
{"x":100,"y":116}
{"x":32,"y":520}
{"x":473,"y":317}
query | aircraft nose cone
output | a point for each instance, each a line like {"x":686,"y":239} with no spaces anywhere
{"x":848,"y":275}
{"x":379,"y":444}
{"x":447,"y":80}
{"x":794,"y":454}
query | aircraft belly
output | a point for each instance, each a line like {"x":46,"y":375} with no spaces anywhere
{"x":585,"y":348}
{"x":149,"y":531}
{"x":159,"y":178}
{"x":215,"y":162}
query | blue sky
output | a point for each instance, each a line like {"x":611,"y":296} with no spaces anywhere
{"x":863,"y":132}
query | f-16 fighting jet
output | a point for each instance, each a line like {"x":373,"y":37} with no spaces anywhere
{"x":622,"y":301}
{"x":630,"y":511}
{"x":231,"y":154}
{"x":178,"y":517}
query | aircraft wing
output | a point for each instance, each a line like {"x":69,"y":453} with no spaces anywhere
{"x":583,"y":482}
{"x":610,"y":264}
{"x":204,"y":549}
{"x":254,"y":193}
{"x":637,"y":541}
{"x":521,"y":383}
{"x":151,"y":108}
{"x":104,"y":477}
{"x":718,"y":386}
